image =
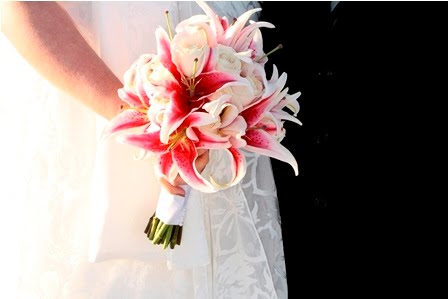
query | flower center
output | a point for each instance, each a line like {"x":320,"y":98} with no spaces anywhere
{"x":177,"y":138}
{"x":142,"y":110}
{"x":191,"y":82}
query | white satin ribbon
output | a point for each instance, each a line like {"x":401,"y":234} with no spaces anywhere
{"x":171,"y":208}
{"x":193,"y":251}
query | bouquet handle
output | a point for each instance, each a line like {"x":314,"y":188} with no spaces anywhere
{"x":165,"y":226}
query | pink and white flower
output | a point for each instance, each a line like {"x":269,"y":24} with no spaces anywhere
{"x":206,"y":88}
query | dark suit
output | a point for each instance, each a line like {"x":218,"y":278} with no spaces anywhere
{"x":361,"y":71}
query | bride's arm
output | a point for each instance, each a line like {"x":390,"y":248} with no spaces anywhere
{"x":45,"y":35}
{"x":47,"y":38}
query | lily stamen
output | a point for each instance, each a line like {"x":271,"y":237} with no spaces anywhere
{"x":280,"y":46}
{"x":142,"y":110}
{"x":176,"y":138}
{"x":192,"y":84}
{"x":168,"y":25}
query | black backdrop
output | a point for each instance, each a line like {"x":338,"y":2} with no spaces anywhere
{"x":369,"y":73}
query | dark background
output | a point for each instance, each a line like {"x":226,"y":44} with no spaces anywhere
{"x":372,"y":76}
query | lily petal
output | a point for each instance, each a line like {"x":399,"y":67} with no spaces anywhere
{"x":283,"y":115}
{"x":191,"y":134}
{"x":270,"y":124}
{"x":211,"y":82}
{"x":130,"y":98}
{"x":213,"y":107}
{"x":184,"y":157}
{"x":233,"y":32}
{"x":165,"y":167}
{"x":228,"y":114}
{"x":210,"y":140}
{"x":245,"y":38}
{"x":236,"y":130}
{"x":238,"y":165}
{"x":290,"y":102}
{"x":254,"y":112}
{"x":176,"y":112}
{"x":164,"y":52}
{"x":127,"y":119}
{"x":238,"y":168}
{"x":149,"y":141}
{"x":259,"y":141}
{"x":210,"y":60}
{"x":199,"y":119}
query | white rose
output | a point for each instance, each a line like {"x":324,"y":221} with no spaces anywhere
{"x":188,"y":45}
{"x":223,"y":110}
{"x":155,"y":73}
{"x":227,"y":60}
{"x":239,"y":95}
{"x":156,"y":113}
{"x":158,"y":100}
{"x":257,"y":85}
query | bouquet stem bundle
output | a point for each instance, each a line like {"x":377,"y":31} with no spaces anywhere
{"x":163,"y":234}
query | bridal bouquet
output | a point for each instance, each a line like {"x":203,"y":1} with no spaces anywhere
{"x":205,"y":89}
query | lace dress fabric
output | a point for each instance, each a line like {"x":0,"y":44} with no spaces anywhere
{"x":56,"y":173}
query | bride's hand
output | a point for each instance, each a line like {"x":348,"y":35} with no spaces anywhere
{"x":175,"y":188}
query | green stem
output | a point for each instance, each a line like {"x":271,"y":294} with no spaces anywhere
{"x":174,"y":238}
{"x":167,"y":238}
{"x":179,"y":236}
{"x":155,"y":223}
{"x":160,"y":232}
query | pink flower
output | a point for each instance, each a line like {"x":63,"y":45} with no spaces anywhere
{"x":206,"y":88}
{"x":264,"y":120}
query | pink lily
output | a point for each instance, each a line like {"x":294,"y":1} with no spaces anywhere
{"x":134,"y":93}
{"x":186,"y":95}
{"x":264,"y":129}
{"x":178,"y":156}
{"x":238,"y":35}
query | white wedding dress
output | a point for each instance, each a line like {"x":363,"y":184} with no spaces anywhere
{"x":74,"y":207}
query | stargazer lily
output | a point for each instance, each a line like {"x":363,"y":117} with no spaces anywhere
{"x":186,"y":95}
{"x":178,"y":156}
{"x":264,"y":121}
{"x":237,"y":35}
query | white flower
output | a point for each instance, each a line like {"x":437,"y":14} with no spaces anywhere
{"x":228,"y":121}
{"x":240,"y":95}
{"x":156,"y":113}
{"x":155,"y":73}
{"x":188,"y":45}
{"x":257,"y":85}
{"x":227,"y":61}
